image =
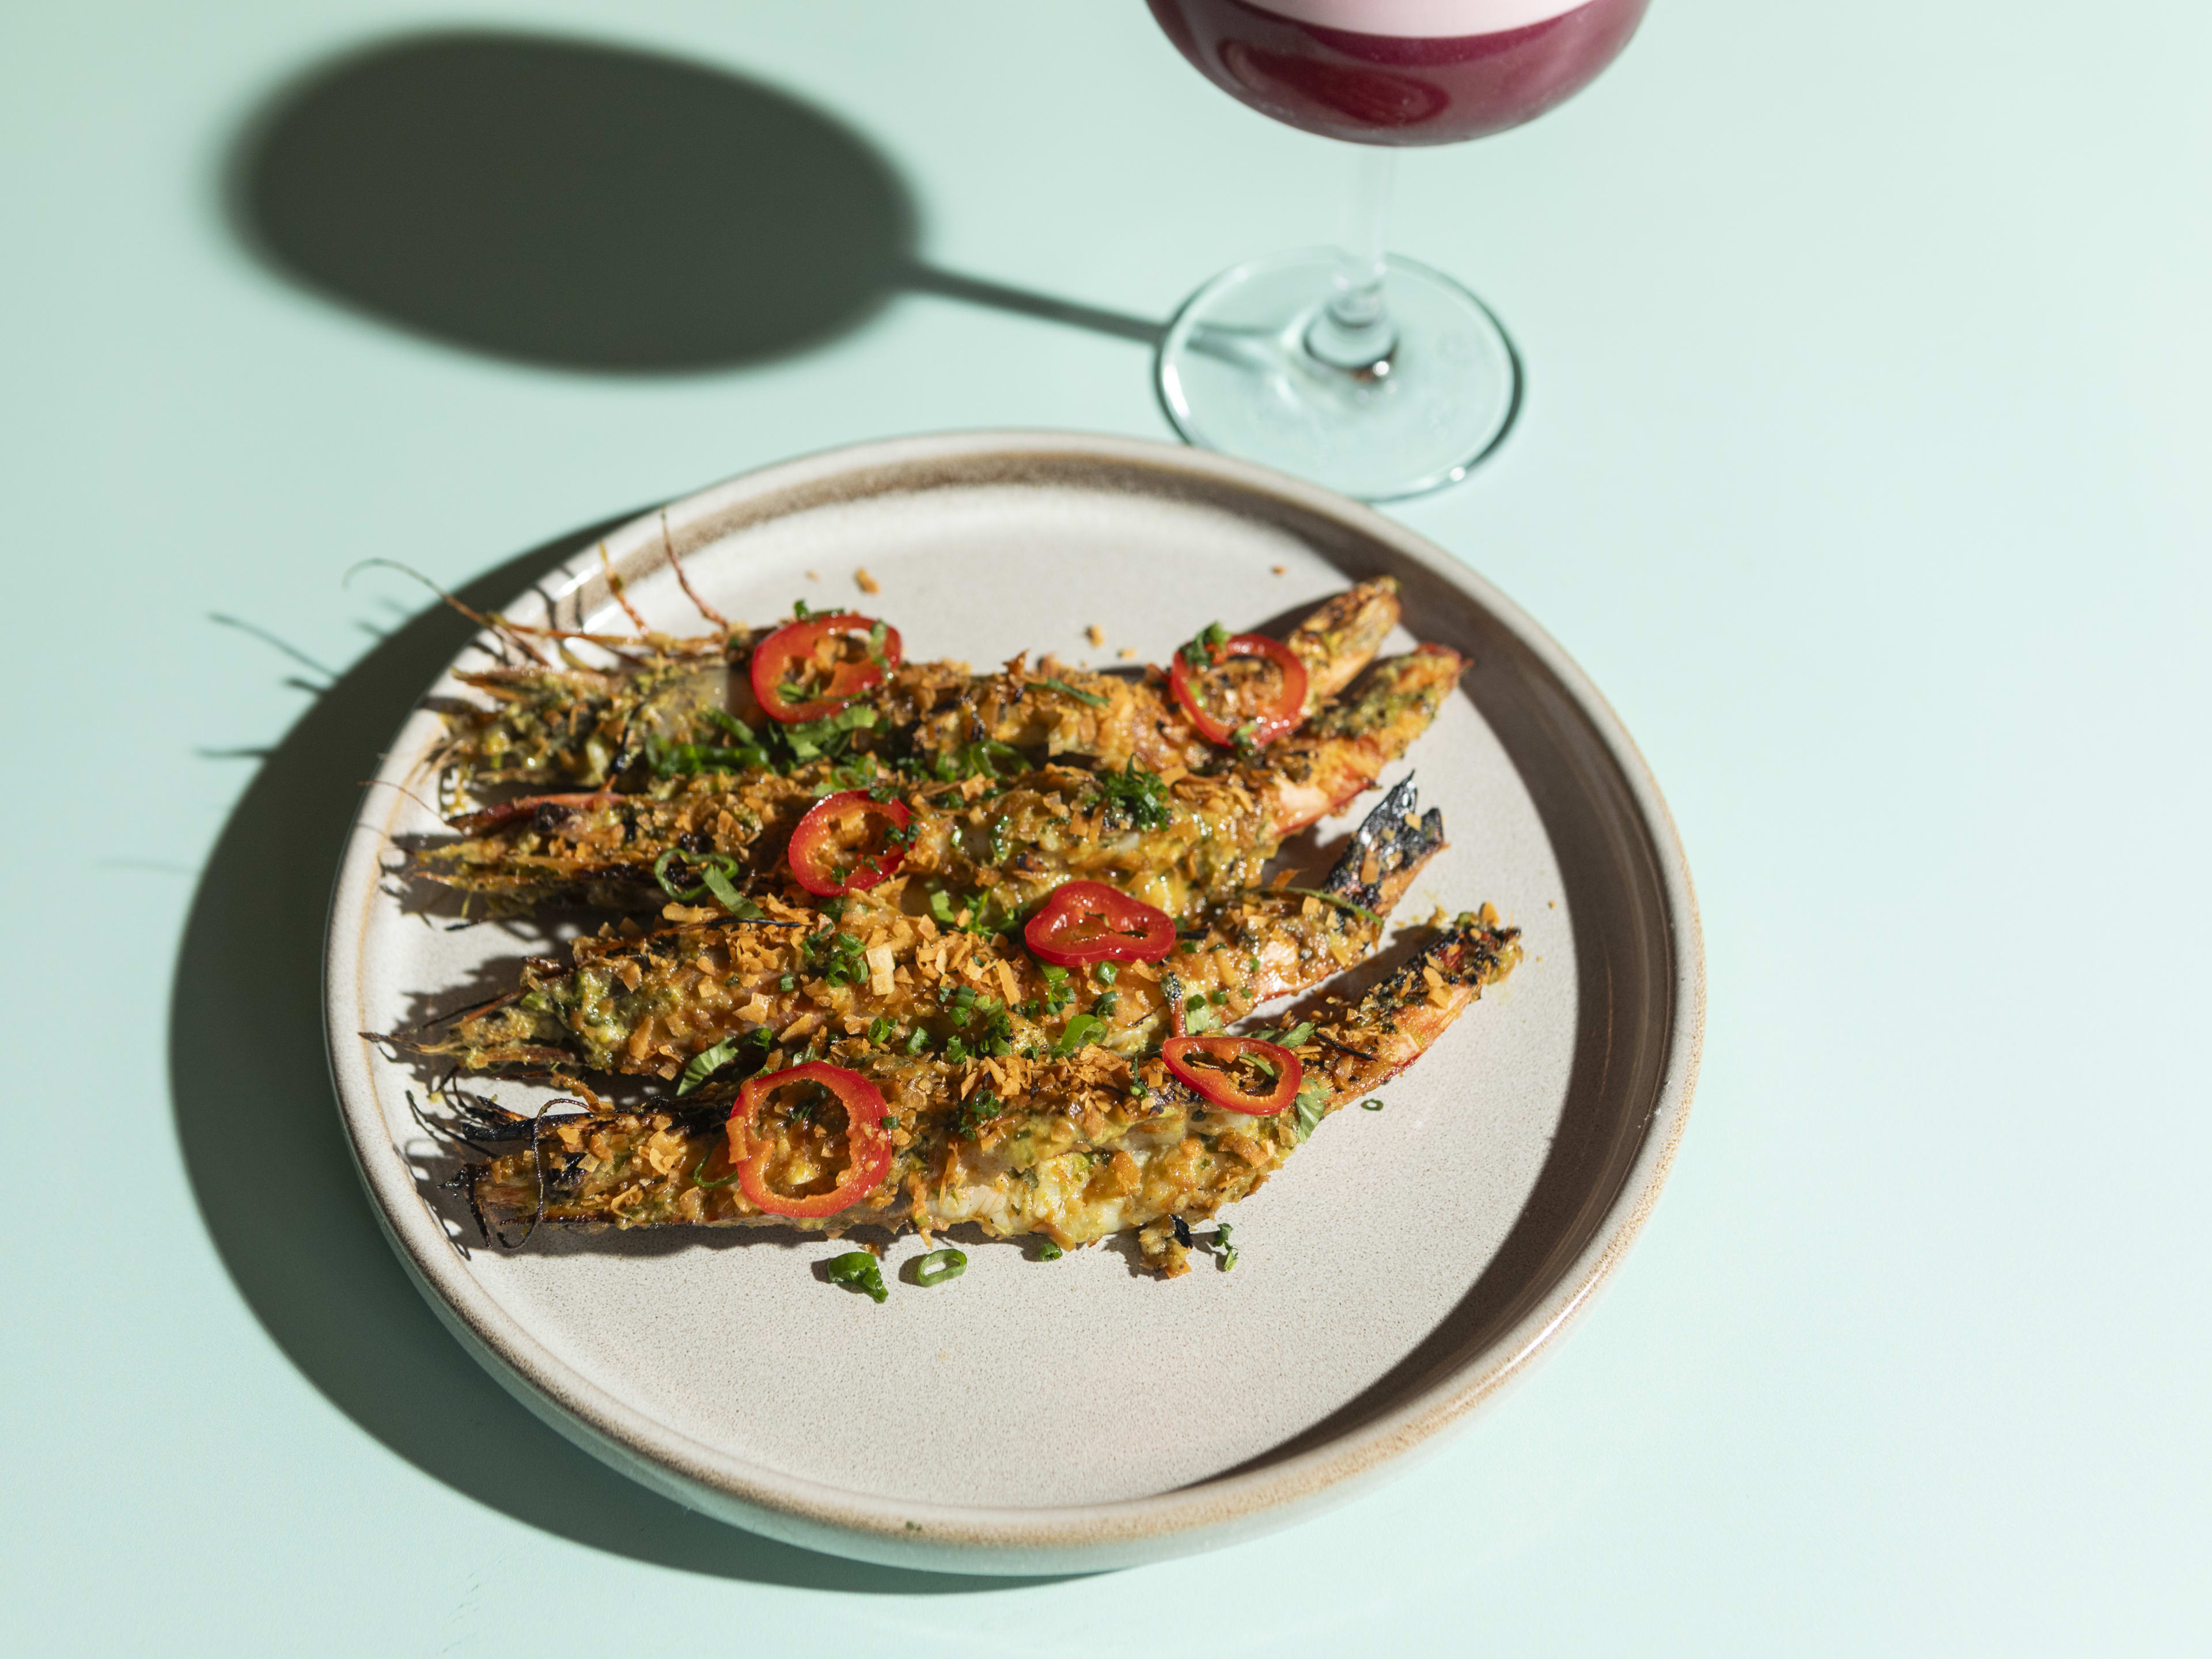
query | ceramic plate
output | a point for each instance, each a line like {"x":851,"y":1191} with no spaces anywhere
{"x":1037,"y":1416}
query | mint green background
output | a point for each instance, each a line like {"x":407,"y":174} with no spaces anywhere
{"x":1864,"y":467}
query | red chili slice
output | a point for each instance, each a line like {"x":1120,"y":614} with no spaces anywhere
{"x":825,"y":865}
{"x":784,"y":656}
{"x":754,"y":1149}
{"x":1281,"y":712}
{"x":1219,"y":1082}
{"x":1089,"y":921}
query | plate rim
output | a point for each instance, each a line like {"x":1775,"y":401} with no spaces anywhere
{"x":997,"y":1539}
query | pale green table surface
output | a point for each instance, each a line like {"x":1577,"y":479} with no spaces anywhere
{"x":1863,"y":465}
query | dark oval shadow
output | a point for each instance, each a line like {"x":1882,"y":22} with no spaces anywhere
{"x":275,"y":1185}
{"x":571,"y":203}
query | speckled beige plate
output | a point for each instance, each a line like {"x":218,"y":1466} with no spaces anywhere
{"x":1037,"y":1416}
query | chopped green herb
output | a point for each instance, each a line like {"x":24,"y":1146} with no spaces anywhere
{"x":979,"y":1109}
{"x":715,"y":871}
{"x":1219,"y":1239}
{"x":857,"y":1270}
{"x":1048,"y":1251}
{"x":939,"y":1266}
{"x":827,"y":736}
{"x":1199,"y":652}
{"x":1310,"y":1108}
{"x":1077,"y":1033}
{"x":704,"y":1066}
{"x":1079,"y":695}
{"x":1201,"y":1018}
{"x":1135,"y":797}
{"x":726,"y":893}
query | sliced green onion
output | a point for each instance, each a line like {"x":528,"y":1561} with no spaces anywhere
{"x":857,"y":1270}
{"x":1370,"y":1105}
{"x":726,"y":893}
{"x":937,"y":1267}
{"x":660,"y":874}
{"x":1048,"y":1251}
{"x":1080,"y":695}
{"x":704,"y":1066}
{"x":1077,"y":1033}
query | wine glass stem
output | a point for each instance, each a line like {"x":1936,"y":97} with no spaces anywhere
{"x":1354,"y":331}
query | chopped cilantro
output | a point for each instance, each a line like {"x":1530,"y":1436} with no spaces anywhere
{"x":1134,"y":797}
{"x":704,"y":1065}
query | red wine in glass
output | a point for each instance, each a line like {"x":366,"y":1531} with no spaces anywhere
{"x":1376,"y":375}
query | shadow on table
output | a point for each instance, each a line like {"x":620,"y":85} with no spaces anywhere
{"x":587,"y":207}
{"x":276,"y":1186}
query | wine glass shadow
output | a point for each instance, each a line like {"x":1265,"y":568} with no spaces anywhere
{"x":586,"y":207}
{"x":275,"y":1184}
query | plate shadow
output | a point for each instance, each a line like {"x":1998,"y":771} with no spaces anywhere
{"x":277,"y":1189}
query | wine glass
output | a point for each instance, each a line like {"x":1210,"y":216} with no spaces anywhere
{"x":1372,"y":374}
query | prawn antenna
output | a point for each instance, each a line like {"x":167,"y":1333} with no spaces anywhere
{"x":668,"y":546}
{"x":621,"y":598}
{"x":491,"y":622}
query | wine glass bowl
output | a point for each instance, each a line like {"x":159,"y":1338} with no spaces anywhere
{"x":1492,"y":64}
{"x":1375,"y":375}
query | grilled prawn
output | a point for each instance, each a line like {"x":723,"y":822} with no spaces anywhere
{"x":667,"y":705}
{"x":1174,"y":842}
{"x":1071,"y":1148}
{"x":801,"y":982}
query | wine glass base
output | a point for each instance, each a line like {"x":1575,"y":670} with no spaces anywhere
{"x":1235,"y":374}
